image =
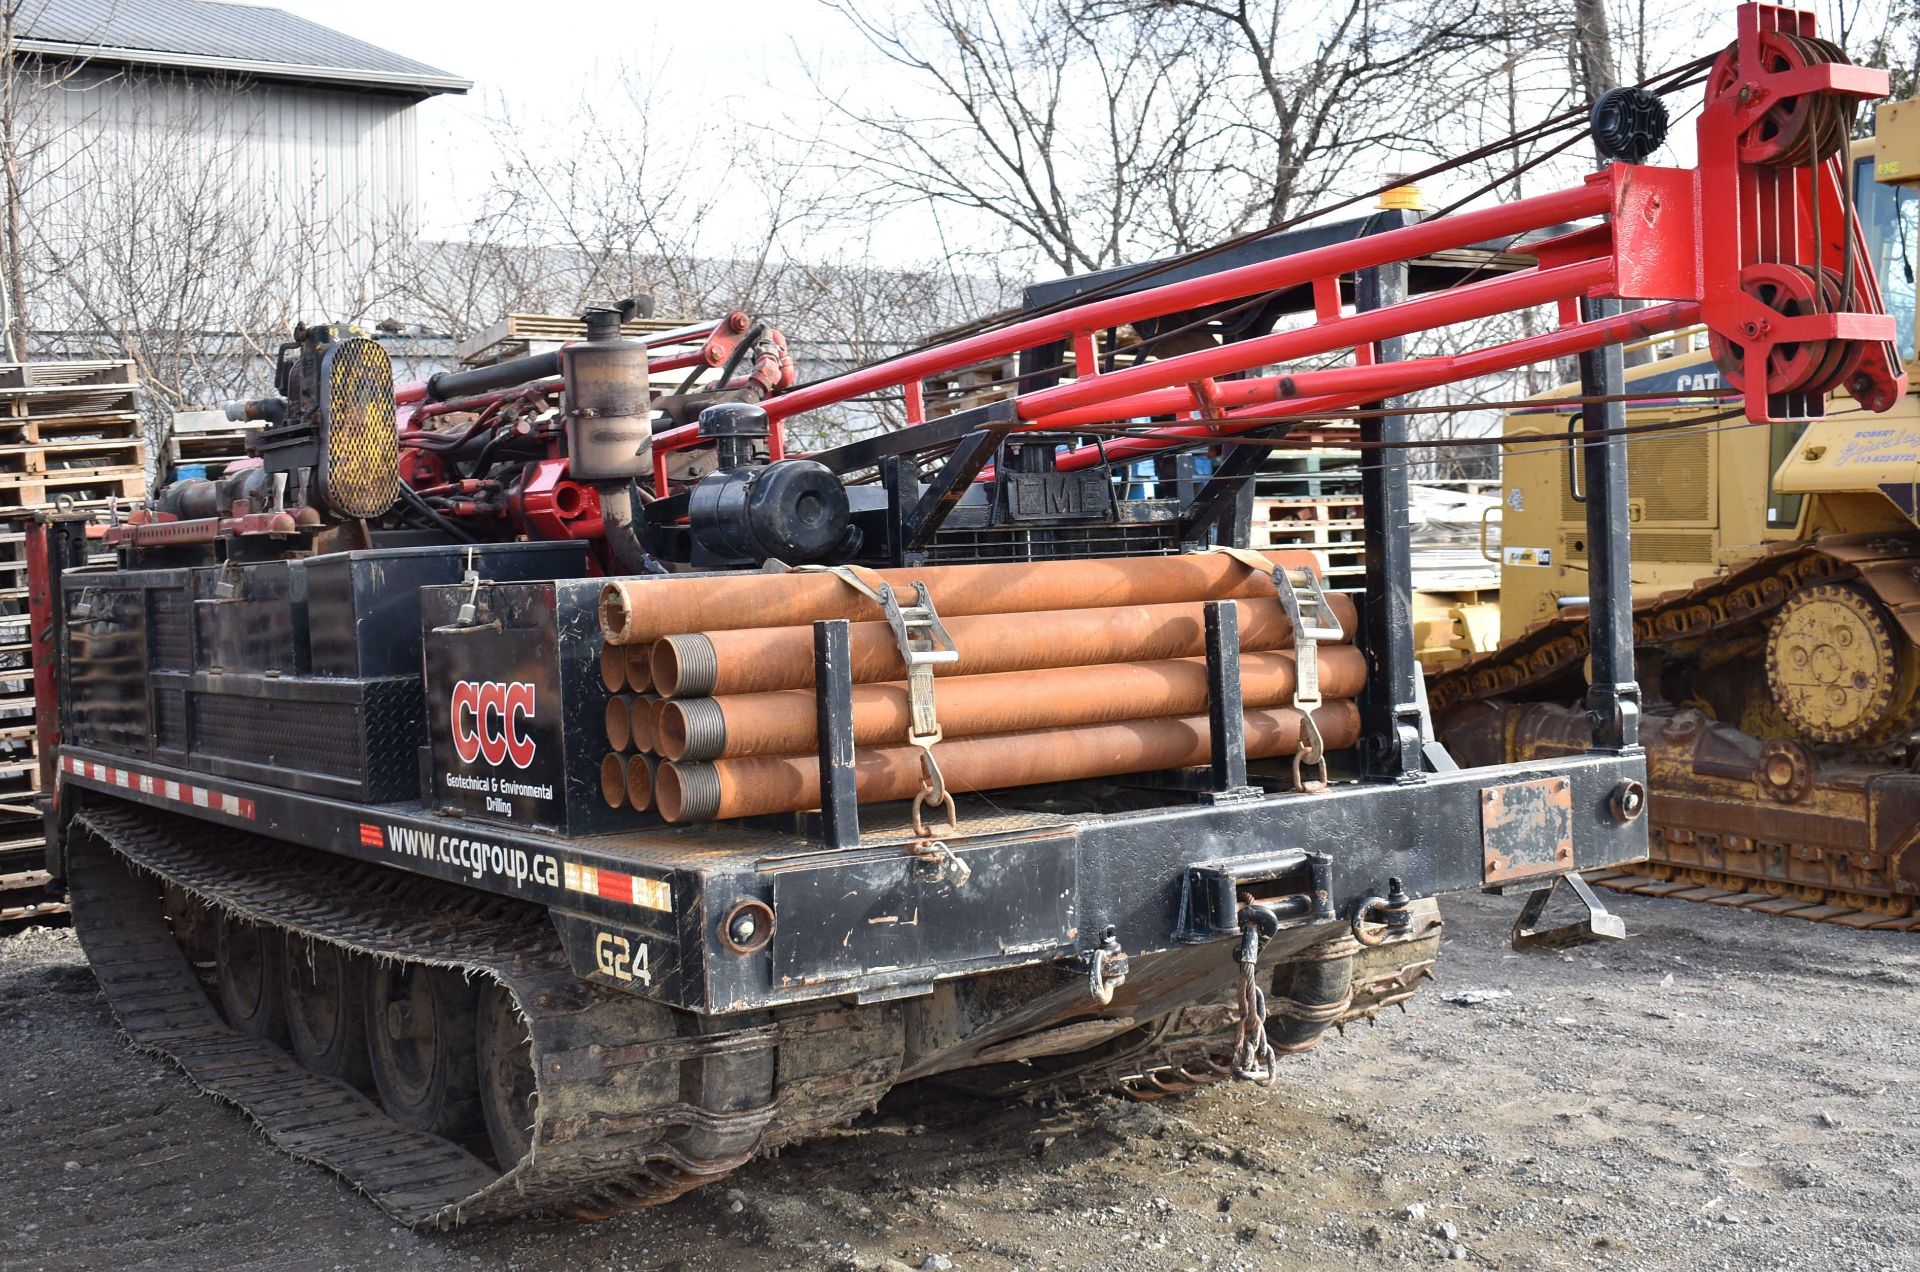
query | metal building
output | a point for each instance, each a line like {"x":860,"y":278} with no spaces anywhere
{"x":317,"y":128}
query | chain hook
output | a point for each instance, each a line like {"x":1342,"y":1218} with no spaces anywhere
{"x":933,"y":791}
{"x":1106,"y":968}
{"x":1253,"y":1055}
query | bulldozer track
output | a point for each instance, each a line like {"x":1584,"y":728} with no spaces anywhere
{"x":614,"y":1127}
{"x":1711,"y":608}
{"x":1730,"y":890}
{"x":1716,"y":609}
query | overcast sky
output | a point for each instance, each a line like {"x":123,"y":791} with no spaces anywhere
{"x":744,"y":58}
{"x":747,"y":52}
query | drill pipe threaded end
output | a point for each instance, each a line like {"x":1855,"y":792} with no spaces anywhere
{"x":688,"y":792}
{"x":692,"y":729}
{"x":685,"y":666}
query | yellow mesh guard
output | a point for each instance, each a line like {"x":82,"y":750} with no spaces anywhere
{"x":363,"y":448}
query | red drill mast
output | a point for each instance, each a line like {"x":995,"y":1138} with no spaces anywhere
{"x":1758,"y":241}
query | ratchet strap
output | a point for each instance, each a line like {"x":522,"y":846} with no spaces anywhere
{"x":924,"y":645}
{"x":1311,"y":616}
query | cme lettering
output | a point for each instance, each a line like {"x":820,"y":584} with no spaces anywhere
{"x":490,"y":722}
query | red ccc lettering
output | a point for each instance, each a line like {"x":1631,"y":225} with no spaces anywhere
{"x":489,"y":722}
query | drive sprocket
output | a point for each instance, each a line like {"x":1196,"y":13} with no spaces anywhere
{"x":1839,"y":668}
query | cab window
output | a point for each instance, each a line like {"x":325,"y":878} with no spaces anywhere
{"x":1890,"y":215}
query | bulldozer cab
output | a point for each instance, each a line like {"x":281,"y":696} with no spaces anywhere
{"x":1701,"y":499}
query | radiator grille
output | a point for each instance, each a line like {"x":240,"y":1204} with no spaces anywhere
{"x":170,"y":719}
{"x":1652,"y":547}
{"x":363,"y":450}
{"x":959,"y":547}
{"x":1670,"y":474}
{"x":171,"y":620}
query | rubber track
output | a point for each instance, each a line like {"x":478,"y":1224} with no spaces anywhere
{"x":612,"y":1129}
{"x":1192,"y":1046}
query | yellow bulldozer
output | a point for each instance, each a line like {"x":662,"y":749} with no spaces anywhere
{"x":1776,"y":576}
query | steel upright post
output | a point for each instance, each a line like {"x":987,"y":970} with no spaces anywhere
{"x":1613,"y":696}
{"x":1390,"y":710}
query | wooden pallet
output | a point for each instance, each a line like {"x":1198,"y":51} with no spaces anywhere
{"x":1309,"y":534}
{"x":20,"y":788}
{"x":215,"y":450}
{"x":83,"y":489}
{"x":515,"y":334}
{"x":970,"y":386}
{"x":81,"y":426}
{"x":72,"y":374}
{"x":68,"y":455}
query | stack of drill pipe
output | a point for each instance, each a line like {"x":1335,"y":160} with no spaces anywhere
{"x":627,"y":769}
{"x":1067,"y":670}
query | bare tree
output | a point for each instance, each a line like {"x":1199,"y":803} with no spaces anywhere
{"x":1076,"y":132}
{"x":155,"y":238}
{"x":1098,"y":132}
{"x":40,"y":135}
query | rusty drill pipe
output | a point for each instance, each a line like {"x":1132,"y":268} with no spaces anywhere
{"x":639,"y":778}
{"x":613,"y":779}
{"x":619,"y":720}
{"x":719,"y":790}
{"x":638,"y":667}
{"x":643,"y":721}
{"x":613,"y":667}
{"x":761,"y":660}
{"x":639,"y":610}
{"x":784,"y":722}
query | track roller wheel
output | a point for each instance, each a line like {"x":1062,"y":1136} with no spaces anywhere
{"x":421,"y":1030}
{"x":326,"y":996}
{"x":506,"y":1076}
{"x":248,"y":958}
{"x":193,"y":924}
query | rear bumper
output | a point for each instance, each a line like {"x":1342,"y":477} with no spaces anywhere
{"x":650,"y":912}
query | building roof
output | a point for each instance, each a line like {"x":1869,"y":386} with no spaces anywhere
{"x":237,"y":39}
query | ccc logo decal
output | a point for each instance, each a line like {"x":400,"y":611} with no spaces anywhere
{"x":490,"y":722}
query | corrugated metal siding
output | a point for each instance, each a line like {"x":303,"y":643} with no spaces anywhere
{"x":341,"y":162}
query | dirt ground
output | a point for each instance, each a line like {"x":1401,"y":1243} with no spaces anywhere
{"x":1723,"y":1090}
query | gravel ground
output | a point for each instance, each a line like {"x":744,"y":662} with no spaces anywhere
{"x":1723,"y":1090}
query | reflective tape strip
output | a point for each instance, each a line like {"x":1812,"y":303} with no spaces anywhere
{"x":612,"y":885}
{"x":147,"y":784}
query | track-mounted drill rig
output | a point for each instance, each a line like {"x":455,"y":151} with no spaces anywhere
{"x":535,"y":788}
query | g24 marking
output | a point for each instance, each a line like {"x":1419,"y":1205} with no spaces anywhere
{"x":620,"y":958}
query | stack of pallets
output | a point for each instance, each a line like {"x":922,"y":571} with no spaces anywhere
{"x":204,"y":438}
{"x":69,"y":438}
{"x":1311,"y":499}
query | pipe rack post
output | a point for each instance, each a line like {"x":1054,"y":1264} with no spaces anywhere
{"x":1613,"y":696}
{"x":832,"y":676}
{"x":1390,"y":708}
{"x":1226,"y":721}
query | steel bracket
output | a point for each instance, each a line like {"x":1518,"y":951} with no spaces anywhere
{"x":1598,"y":923}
